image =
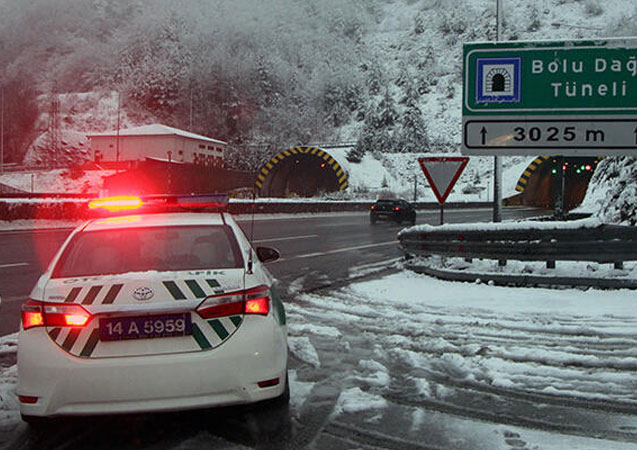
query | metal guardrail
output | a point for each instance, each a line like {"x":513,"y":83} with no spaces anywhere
{"x":602,"y":243}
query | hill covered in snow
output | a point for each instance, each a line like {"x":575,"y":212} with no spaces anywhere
{"x":266,"y":75}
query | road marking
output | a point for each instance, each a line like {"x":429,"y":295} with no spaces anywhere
{"x":6,"y":266}
{"x":286,"y":238}
{"x":339,"y":250}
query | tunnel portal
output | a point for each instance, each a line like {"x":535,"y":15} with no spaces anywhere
{"x":301,"y":171}
{"x":539,"y":183}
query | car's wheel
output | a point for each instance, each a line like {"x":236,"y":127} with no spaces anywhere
{"x":284,"y":398}
{"x":372,"y":220}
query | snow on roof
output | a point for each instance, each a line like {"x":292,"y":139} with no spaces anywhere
{"x":157,"y":129}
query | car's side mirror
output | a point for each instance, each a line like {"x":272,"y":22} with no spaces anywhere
{"x":267,"y":254}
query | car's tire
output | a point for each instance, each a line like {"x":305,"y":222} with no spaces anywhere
{"x":284,"y":398}
{"x":372,"y":220}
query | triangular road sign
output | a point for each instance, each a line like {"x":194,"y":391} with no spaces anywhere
{"x":442,"y":173}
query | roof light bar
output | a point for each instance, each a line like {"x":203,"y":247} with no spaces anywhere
{"x":117,"y":203}
{"x":161,"y":203}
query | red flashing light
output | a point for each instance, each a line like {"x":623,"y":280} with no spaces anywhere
{"x":588,"y":167}
{"x":117,"y":203}
{"x":161,"y":203}
{"x":41,"y":314}
{"x":251,"y":301}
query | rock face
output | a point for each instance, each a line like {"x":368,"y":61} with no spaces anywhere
{"x":71,"y":149}
{"x":612,"y":192}
{"x":64,"y":124}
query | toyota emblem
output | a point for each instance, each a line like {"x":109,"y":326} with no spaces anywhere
{"x":143,"y":294}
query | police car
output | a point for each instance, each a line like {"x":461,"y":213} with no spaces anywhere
{"x":160,"y":309}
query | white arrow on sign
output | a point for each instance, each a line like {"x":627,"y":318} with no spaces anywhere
{"x":442,"y":173}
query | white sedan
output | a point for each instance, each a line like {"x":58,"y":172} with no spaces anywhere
{"x":152,"y":312}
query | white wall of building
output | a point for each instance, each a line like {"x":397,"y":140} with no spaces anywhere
{"x":175,"y":148}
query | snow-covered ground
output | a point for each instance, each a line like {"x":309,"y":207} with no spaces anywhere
{"x":407,"y":339}
{"x":56,"y":181}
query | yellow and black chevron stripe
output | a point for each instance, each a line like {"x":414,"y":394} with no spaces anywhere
{"x":341,"y":175}
{"x":526,"y":175}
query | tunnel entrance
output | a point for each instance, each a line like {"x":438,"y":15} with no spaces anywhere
{"x":301,"y":171}
{"x":540,"y":181}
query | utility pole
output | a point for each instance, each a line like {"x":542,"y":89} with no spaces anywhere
{"x":497,"y":162}
{"x":415,"y":186}
{"x":54,"y":123}
{"x":119,"y":108}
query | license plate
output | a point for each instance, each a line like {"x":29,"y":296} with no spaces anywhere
{"x":145,"y":327}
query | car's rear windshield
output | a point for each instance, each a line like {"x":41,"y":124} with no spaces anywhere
{"x":174,"y":248}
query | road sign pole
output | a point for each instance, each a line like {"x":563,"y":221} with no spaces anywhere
{"x":442,"y":213}
{"x":497,"y":189}
{"x":497,"y":162}
{"x":559,"y":193}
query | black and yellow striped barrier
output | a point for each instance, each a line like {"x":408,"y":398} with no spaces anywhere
{"x":526,"y":175}
{"x":340,"y":174}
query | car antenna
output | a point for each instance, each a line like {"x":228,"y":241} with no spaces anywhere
{"x":250,"y":261}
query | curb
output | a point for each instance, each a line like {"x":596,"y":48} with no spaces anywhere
{"x":523,"y":280}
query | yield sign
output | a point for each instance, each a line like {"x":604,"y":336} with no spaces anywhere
{"x":442,"y":173}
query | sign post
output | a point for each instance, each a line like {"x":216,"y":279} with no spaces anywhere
{"x":566,"y":98}
{"x":442,"y":173}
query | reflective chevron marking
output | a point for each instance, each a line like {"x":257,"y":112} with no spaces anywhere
{"x":72,"y":295}
{"x":111,"y":295}
{"x":195,"y":288}
{"x":200,"y":338}
{"x":54,"y":333}
{"x":213,"y":283}
{"x":267,"y":169}
{"x":91,"y":295}
{"x":219,"y":329}
{"x":174,"y":290}
{"x":90,"y":344}
{"x":71,"y":338}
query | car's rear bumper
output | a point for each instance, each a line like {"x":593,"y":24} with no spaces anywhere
{"x":67,"y":385}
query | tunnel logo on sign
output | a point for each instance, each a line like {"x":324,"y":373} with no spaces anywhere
{"x":498,"y":80}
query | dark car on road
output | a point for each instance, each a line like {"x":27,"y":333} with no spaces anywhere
{"x":394,"y":210}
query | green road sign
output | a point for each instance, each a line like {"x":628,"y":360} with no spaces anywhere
{"x":563,"y":98}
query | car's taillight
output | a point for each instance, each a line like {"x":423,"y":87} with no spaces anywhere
{"x":396,"y":208}
{"x":42,"y":314}
{"x":373,"y":207}
{"x":251,"y":301}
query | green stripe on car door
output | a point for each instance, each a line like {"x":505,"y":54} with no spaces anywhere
{"x":200,"y":338}
{"x":174,"y":290}
{"x":195,"y":288}
{"x":219,"y":329}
